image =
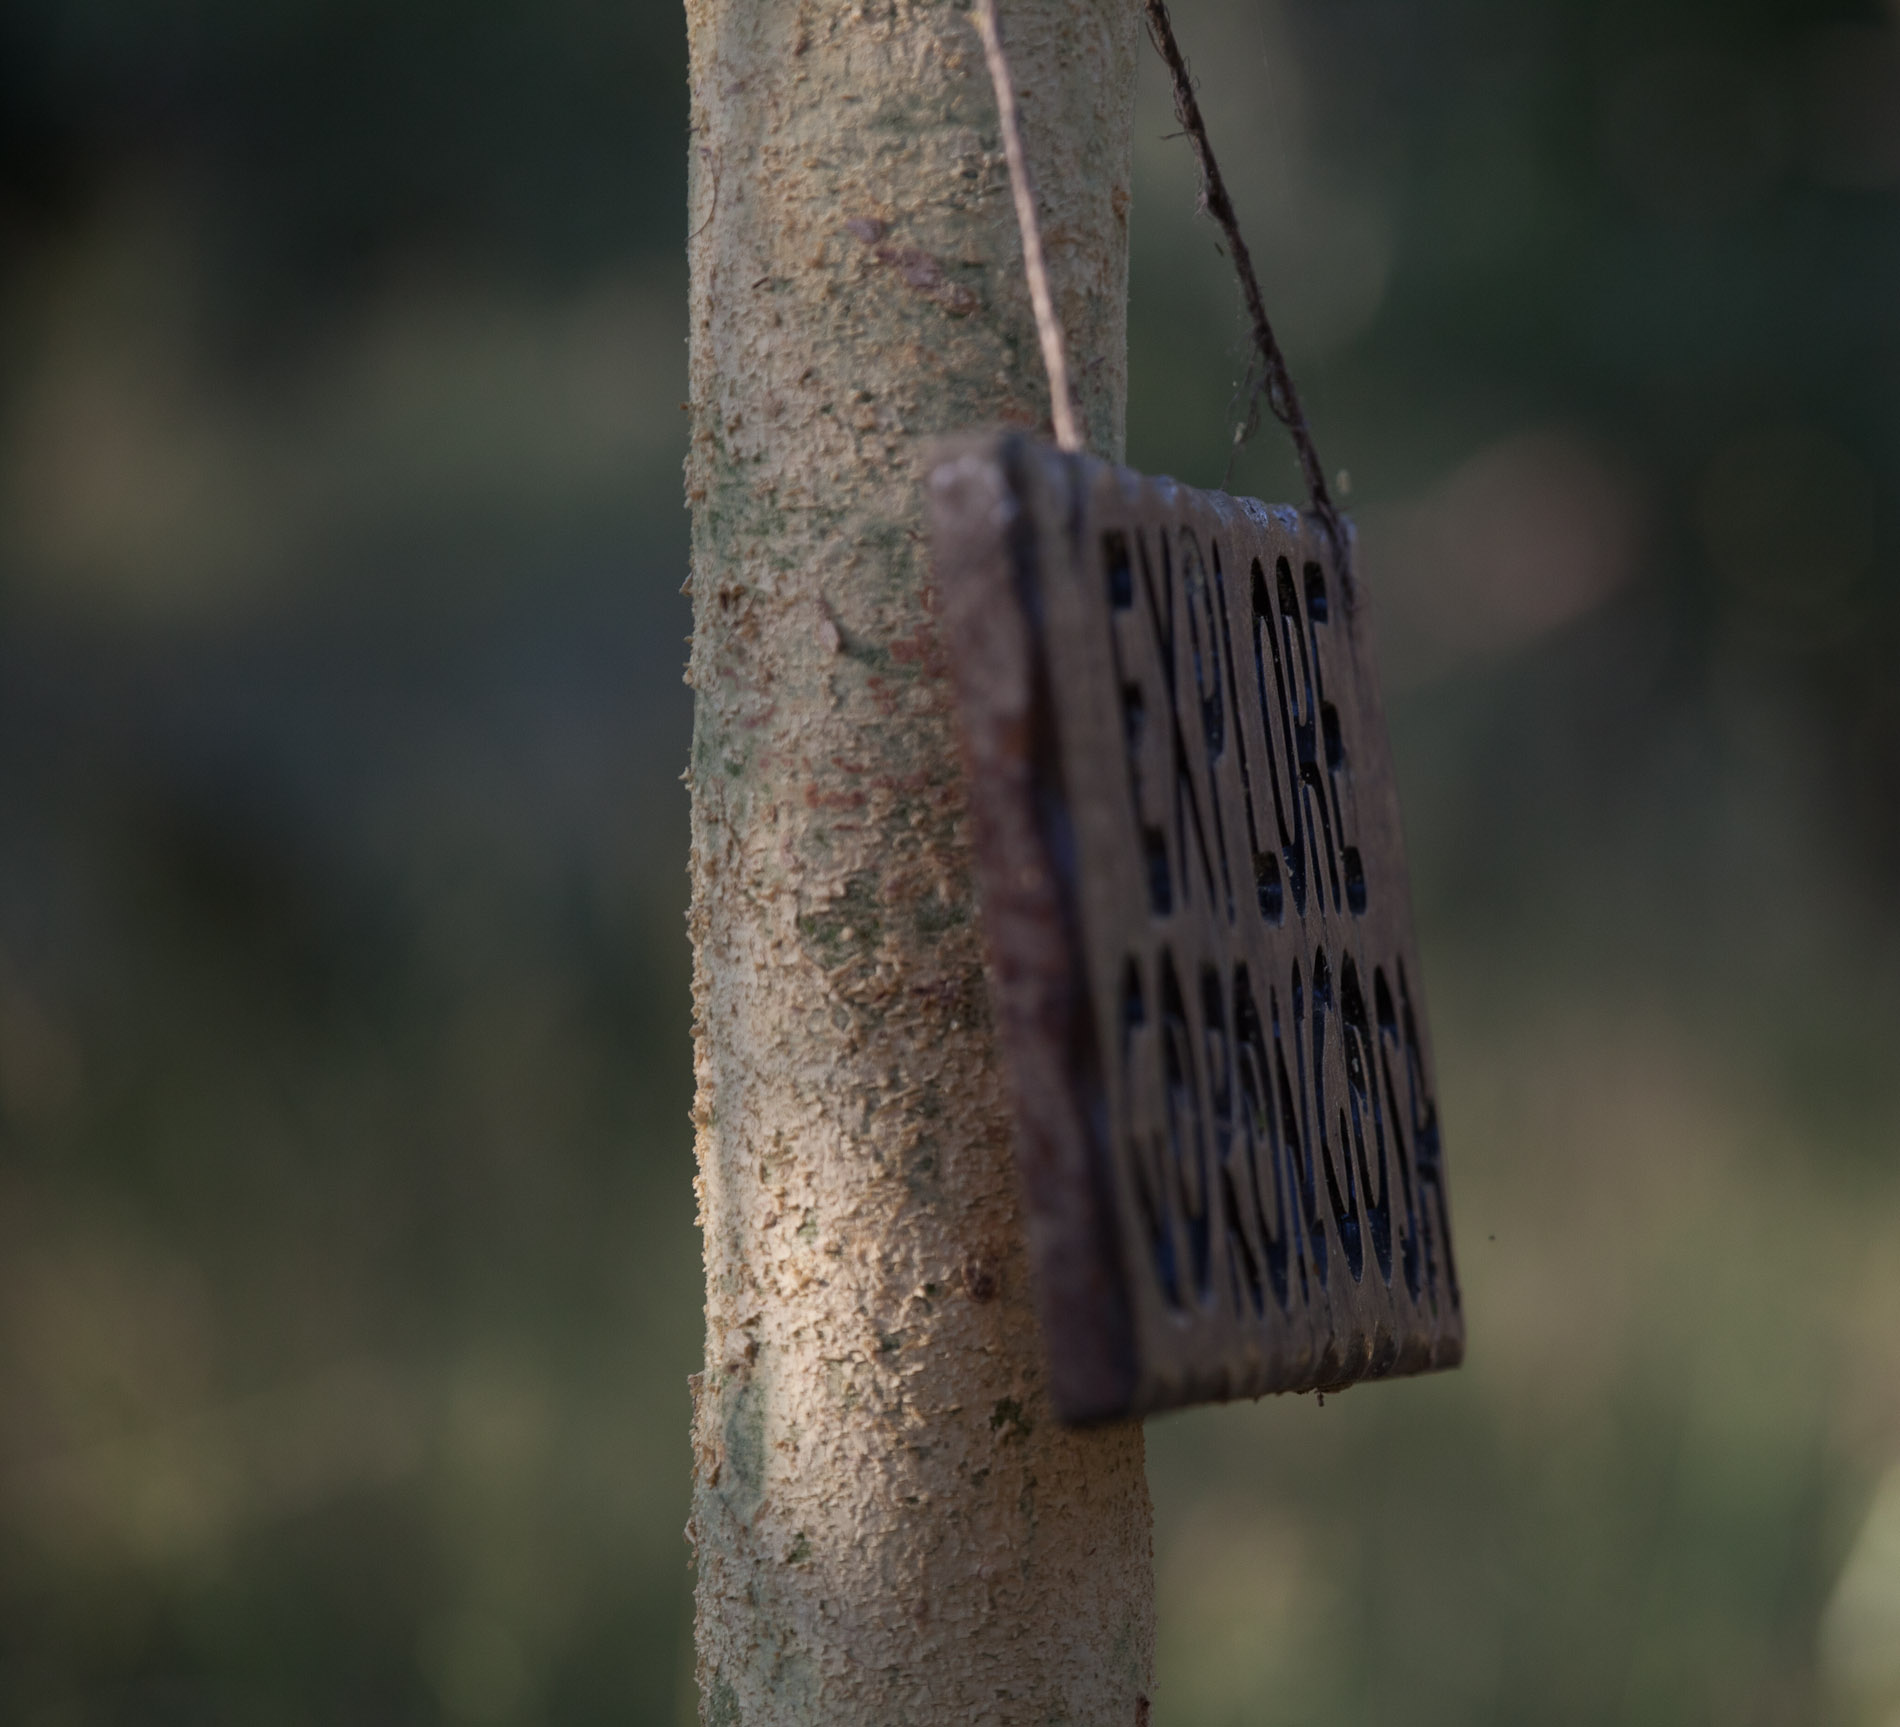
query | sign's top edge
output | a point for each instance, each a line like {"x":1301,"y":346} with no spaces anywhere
{"x":1006,"y":449}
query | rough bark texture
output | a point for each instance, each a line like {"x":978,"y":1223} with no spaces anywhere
{"x":890,"y":1527}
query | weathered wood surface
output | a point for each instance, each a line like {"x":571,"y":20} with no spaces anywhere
{"x":1198,"y":919}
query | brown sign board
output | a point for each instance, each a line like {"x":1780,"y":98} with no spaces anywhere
{"x":1199,"y":930}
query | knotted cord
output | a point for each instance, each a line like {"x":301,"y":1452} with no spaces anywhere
{"x":1273,"y":381}
{"x":1268,"y":375}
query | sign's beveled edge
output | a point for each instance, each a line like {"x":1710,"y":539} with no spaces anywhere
{"x":985,"y":553}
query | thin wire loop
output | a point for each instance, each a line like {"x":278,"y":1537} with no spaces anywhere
{"x":1274,"y":381}
{"x":1055,"y":357}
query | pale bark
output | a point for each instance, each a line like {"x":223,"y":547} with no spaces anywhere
{"x":890,"y":1526}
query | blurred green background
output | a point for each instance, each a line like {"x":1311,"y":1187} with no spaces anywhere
{"x":348,"y":1282}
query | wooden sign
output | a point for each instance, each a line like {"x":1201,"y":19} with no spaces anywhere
{"x":1199,"y":928}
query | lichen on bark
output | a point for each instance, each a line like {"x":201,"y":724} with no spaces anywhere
{"x":889,"y":1525}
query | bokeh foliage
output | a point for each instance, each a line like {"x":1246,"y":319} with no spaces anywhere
{"x":347,"y":1276}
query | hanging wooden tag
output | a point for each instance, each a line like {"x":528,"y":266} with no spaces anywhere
{"x":1199,"y":928}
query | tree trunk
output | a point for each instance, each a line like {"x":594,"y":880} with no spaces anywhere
{"x":890,"y":1526}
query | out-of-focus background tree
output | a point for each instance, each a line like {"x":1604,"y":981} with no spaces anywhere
{"x":348,"y":1283}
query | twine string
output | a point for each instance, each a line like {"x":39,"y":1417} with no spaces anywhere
{"x":1268,"y":375}
{"x":1055,"y":357}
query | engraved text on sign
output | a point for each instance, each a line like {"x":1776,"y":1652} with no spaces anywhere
{"x":1197,"y":912}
